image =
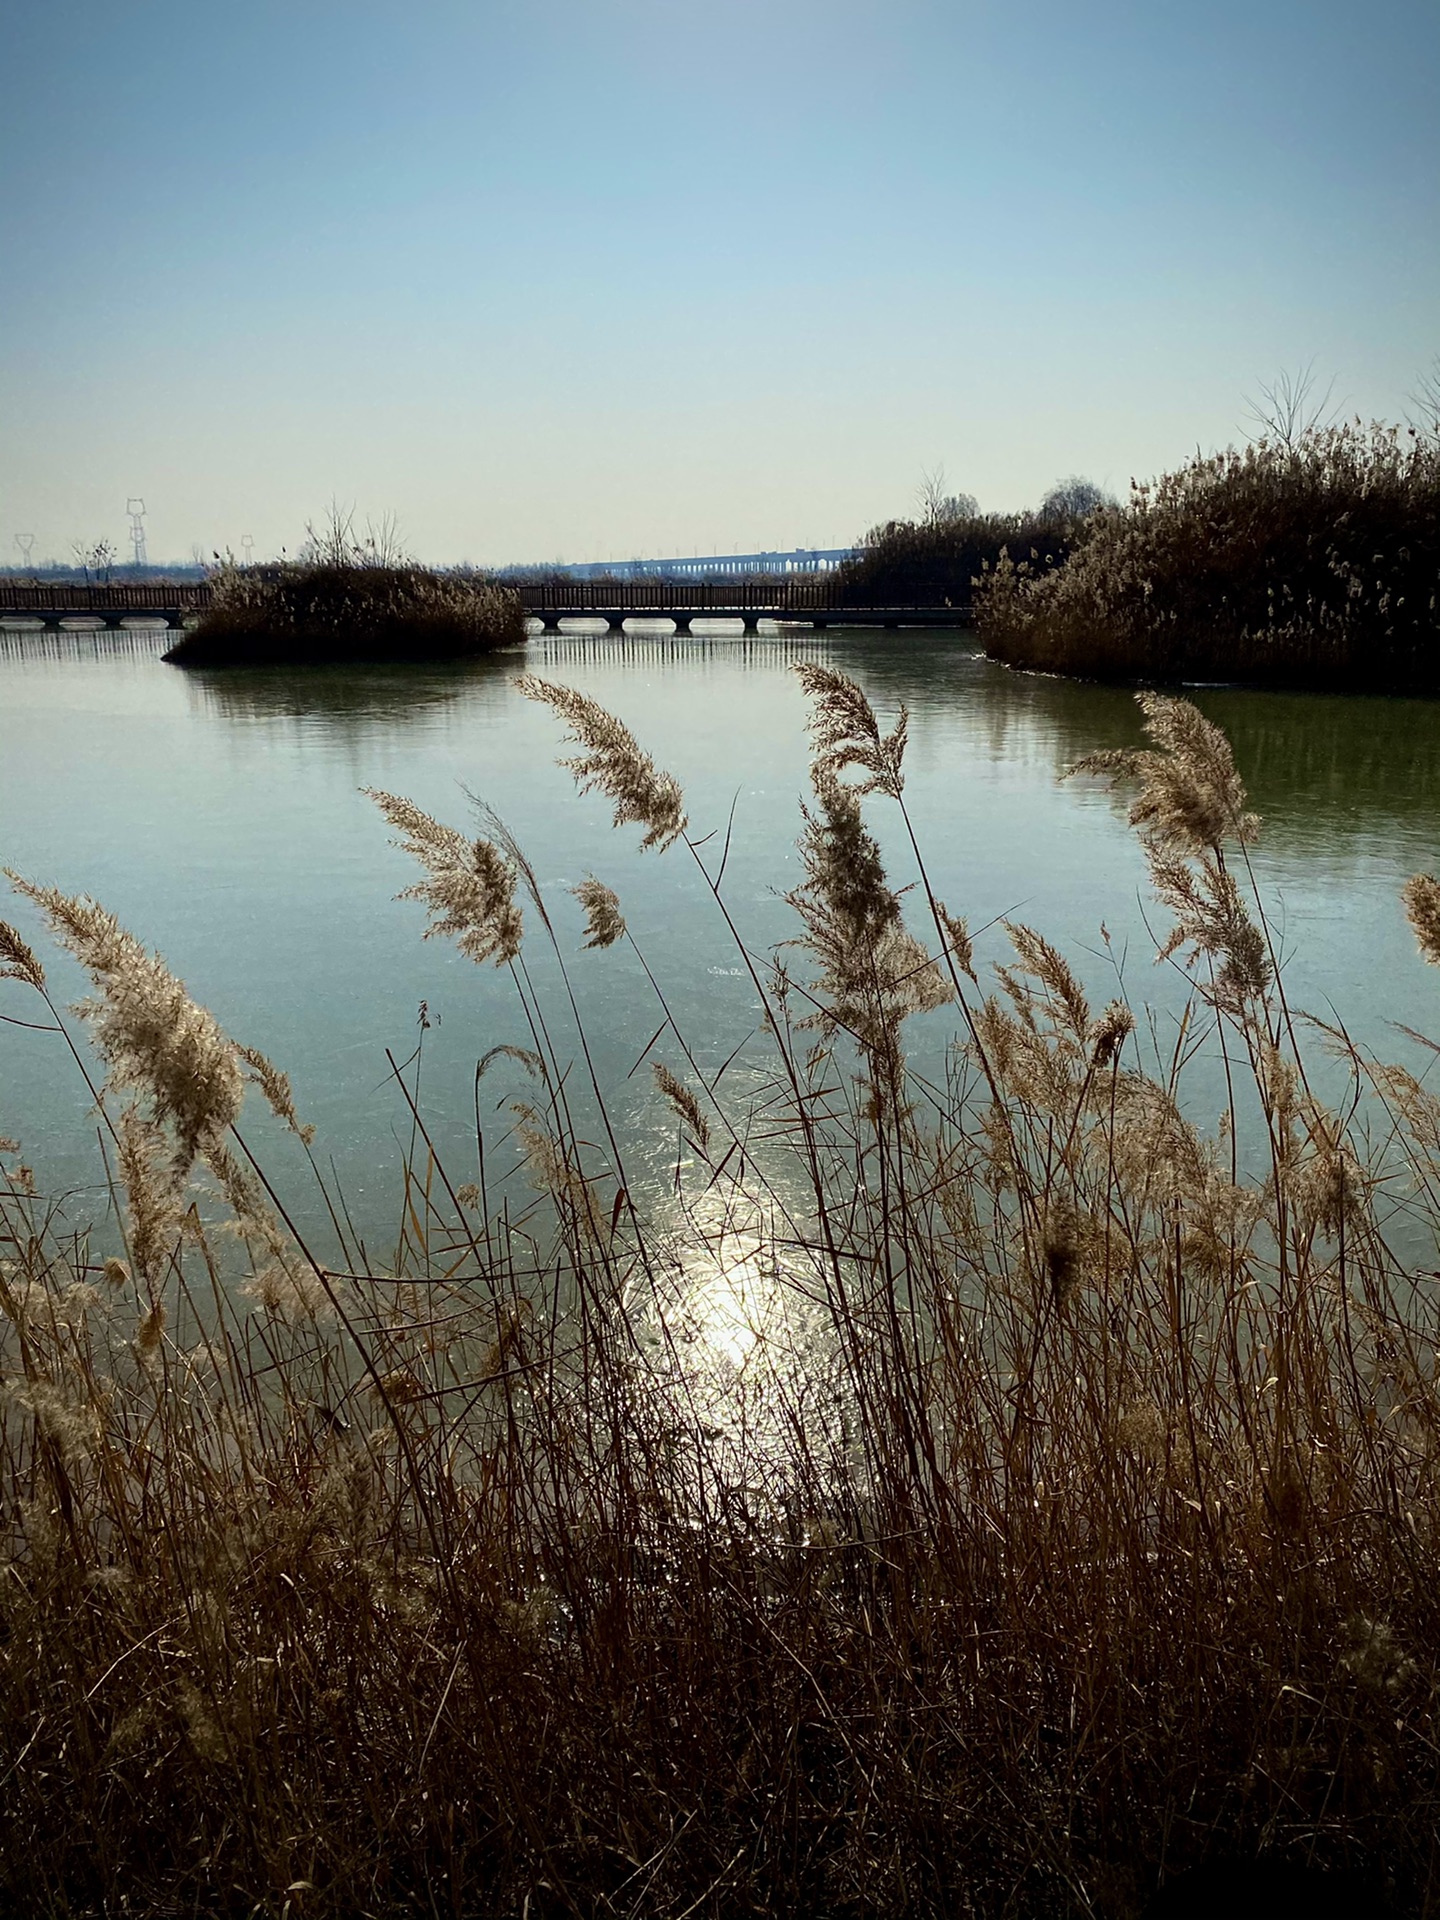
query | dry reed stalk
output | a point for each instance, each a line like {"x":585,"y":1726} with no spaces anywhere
{"x":1069,"y":1516}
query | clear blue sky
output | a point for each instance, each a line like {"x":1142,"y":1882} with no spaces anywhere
{"x":598,"y":277}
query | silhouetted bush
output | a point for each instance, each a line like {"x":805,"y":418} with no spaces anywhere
{"x":1314,"y":562}
{"x":936,"y":561}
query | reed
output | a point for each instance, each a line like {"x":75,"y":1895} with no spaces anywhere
{"x":982,"y":1497}
{"x":348,"y":597}
{"x":1310,"y":560}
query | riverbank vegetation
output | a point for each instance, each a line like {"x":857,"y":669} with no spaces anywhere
{"x":348,"y":597}
{"x":985,"y":1496}
{"x":935,"y":560}
{"x":1305,"y":559}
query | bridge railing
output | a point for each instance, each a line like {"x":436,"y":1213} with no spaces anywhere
{"x":19,"y":597}
{"x":801,"y":596}
{"x":776,"y":597}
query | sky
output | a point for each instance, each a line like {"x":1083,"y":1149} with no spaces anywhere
{"x":591,"y":279}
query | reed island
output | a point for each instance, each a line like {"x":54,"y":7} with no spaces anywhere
{"x":347,"y":598}
{"x":1309,"y":557}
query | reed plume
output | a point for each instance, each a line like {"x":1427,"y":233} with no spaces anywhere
{"x":1190,"y":805}
{"x":604,"y":921}
{"x":151,"y":1035}
{"x":873,"y":971}
{"x":684,"y":1103}
{"x":1191,"y":797}
{"x":613,"y":763}
{"x":1422,"y":906}
{"x":845,"y":733}
{"x":471,"y":886}
{"x":17,"y":960}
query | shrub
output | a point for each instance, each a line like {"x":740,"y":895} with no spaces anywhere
{"x":1314,"y":562}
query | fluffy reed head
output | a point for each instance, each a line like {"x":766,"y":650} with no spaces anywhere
{"x":1191,"y":797}
{"x":1191,"y":801}
{"x":17,"y":961}
{"x":614,"y":763}
{"x":471,"y":886}
{"x":150,"y":1033}
{"x":684,"y":1103}
{"x":844,"y":731}
{"x":604,"y":921}
{"x":874,"y":972}
{"x":1422,"y":905}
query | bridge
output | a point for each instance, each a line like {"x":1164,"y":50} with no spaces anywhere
{"x":812,"y":600}
{"x":111,"y":605}
{"x":797,"y":597}
{"x":708,"y":566}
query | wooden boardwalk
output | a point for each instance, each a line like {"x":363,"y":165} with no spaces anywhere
{"x":812,"y":601}
{"x":111,"y":605}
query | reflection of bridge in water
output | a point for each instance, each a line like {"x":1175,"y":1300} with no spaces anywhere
{"x":569,"y":649}
{"x":815,"y":601}
{"x":28,"y":644}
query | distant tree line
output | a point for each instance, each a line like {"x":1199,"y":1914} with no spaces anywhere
{"x":938,"y":556}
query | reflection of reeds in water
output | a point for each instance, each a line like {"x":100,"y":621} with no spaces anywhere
{"x":345,"y":700}
{"x":975,"y":1496}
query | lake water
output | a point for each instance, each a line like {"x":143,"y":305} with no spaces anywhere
{"x":220,"y":816}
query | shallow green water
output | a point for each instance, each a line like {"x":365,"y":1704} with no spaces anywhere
{"x":220,"y":817}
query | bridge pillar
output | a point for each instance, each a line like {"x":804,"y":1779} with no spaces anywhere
{"x":614,"y":622}
{"x":682,"y":622}
{"x":820,"y":626}
{"x":750,"y":622}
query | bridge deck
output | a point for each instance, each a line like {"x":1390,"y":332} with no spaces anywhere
{"x":680,"y":601}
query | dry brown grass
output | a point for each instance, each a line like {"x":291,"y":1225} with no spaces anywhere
{"x":1067,"y":1516}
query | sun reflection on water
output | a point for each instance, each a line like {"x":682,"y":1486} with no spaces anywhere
{"x":747,"y":1350}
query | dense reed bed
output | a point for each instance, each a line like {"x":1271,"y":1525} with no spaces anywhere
{"x":347,"y":598}
{"x":979,"y":1498}
{"x":1311,"y":560}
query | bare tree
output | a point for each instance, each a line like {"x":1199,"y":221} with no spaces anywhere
{"x":1074,"y":498}
{"x":93,"y":556}
{"x":939,"y":508}
{"x":1286,"y":408}
{"x":1425,"y":399}
{"x":336,"y":543}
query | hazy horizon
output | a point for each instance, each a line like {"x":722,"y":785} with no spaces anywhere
{"x":579,"y":281}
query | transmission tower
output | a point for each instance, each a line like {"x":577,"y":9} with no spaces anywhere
{"x":247,"y":547}
{"x":26,"y":543}
{"x":136,"y":510}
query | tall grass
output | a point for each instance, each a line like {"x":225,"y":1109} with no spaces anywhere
{"x":1311,"y":561}
{"x":980,"y":1497}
